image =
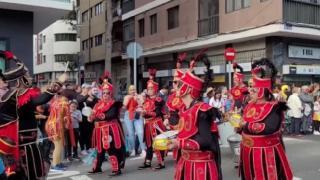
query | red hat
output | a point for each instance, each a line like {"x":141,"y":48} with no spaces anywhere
{"x":105,"y":84}
{"x":151,"y":83}
{"x":260,"y":83}
{"x":191,"y":81}
{"x":238,"y":76}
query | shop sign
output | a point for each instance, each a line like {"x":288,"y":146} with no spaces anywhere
{"x":303,"y":52}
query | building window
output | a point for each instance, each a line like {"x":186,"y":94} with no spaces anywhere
{"x":141,"y":27}
{"x":44,"y":38}
{"x":173,"y":17}
{"x":153,"y":24}
{"x":98,"y":9}
{"x":85,"y":16}
{"x":91,"y":42}
{"x":40,"y":42}
{"x":65,"y":57}
{"x":44,"y":59}
{"x":98,"y":40}
{"x":91,"y":12}
{"x":66,"y":37}
{"x":234,"y":5}
{"x":128,"y":30}
{"x":84,"y":44}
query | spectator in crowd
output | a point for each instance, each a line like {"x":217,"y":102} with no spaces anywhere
{"x":216,"y":101}
{"x":86,"y":98}
{"x":227,"y":106}
{"x":285,"y":92}
{"x":315,"y":90}
{"x":307,"y":104}
{"x":316,"y":117}
{"x":133,"y":120}
{"x":276,"y":92}
{"x":295,"y":111}
{"x":163,"y":93}
{"x":76,"y":118}
{"x":208,"y":95}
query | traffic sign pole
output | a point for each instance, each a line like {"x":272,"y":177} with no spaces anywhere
{"x":229,"y":63}
{"x":135,"y":64}
{"x":229,"y":55}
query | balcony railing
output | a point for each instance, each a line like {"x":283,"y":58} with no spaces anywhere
{"x":301,"y":11}
{"x":208,"y":26}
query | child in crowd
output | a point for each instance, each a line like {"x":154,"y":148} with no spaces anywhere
{"x":76,"y":117}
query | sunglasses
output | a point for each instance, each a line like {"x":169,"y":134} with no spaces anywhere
{"x":175,"y":82}
{"x":106,"y":93}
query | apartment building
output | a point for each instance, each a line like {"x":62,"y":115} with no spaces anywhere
{"x":286,"y":31}
{"x":20,"y":20}
{"x":54,"y":48}
{"x":92,"y":32}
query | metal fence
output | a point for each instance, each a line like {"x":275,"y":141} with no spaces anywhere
{"x":208,"y":26}
{"x":301,"y":11}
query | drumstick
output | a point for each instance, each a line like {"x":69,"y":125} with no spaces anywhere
{"x":158,"y":128}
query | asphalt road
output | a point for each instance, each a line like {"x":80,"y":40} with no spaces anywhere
{"x":303,"y":153}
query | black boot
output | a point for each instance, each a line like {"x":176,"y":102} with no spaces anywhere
{"x":145,"y":166}
{"x":115,"y":173}
{"x":160,"y":166}
{"x":95,"y":171}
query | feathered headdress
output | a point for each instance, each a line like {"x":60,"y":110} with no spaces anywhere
{"x":151,"y":83}
{"x":105,"y":81}
{"x":15,"y":73}
{"x":238,"y":76}
{"x":178,"y":73}
{"x":263,"y":73}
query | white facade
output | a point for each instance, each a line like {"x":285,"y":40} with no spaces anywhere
{"x":45,"y":12}
{"x":47,"y":48}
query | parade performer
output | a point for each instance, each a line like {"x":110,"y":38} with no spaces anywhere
{"x":262,"y":153}
{"x":239,"y":89}
{"x":174,"y":103}
{"x":18,"y":126}
{"x":198,"y":134}
{"x":59,"y":120}
{"x":108,"y":133}
{"x":153,"y":115}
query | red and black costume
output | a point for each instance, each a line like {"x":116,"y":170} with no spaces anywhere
{"x":19,"y":148}
{"x":239,"y":91}
{"x":262,"y":150}
{"x":197,"y":136}
{"x":108,"y":133}
{"x":174,"y":103}
{"x":153,"y":116}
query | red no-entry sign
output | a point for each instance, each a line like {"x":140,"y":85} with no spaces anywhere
{"x":230,"y":54}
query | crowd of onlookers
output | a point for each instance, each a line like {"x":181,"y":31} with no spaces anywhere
{"x":302,"y":117}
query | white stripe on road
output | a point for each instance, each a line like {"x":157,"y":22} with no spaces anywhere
{"x":62,"y":174}
{"x":81,"y":177}
{"x":296,"y":178}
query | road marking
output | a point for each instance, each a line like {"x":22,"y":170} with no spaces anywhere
{"x":81,"y":177}
{"x":62,"y":174}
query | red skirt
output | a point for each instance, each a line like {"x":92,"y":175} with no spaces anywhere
{"x":196,"y":165}
{"x":263,"y":155}
{"x":151,"y":131}
{"x":101,"y":135}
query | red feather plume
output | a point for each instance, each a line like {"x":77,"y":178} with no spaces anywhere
{"x":152,"y":73}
